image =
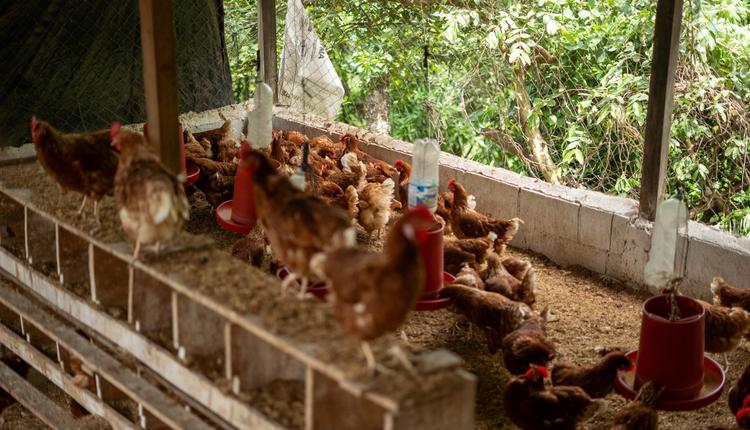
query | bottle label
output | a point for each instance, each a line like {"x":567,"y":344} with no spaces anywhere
{"x":423,"y":194}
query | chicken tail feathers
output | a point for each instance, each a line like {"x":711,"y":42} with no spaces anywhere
{"x":716,"y":289}
{"x":352,"y":201}
{"x":596,"y":407}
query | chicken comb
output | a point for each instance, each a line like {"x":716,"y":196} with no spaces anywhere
{"x":33,"y":123}
{"x":398,"y":164}
{"x":115,"y":130}
{"x":743,"y":413}
{"x":452,"y":182}
{"x":746,"y":401}
{"x":534,"y":369}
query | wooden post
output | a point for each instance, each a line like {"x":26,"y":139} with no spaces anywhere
{"x":160,"y":79}
{"x":267,"y":43}
{"x":660,"y":99}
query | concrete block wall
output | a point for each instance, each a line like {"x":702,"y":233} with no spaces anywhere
{"x":570,"y":226}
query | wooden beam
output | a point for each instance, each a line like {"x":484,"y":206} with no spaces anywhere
{"x":267,"y":43}
{"x":160,"y":79}
{"x":660,"y":99}
{"x":33,"y":400}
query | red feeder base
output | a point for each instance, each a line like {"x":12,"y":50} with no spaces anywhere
{"x":224,"y":218}
{"x":430,"y":304}
{"x":319,"y":290}
{"x":193,"y":173}
{"x":713,"y":383}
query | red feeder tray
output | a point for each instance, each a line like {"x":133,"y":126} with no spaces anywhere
{"x":192,"y":175}
{"x":319,"y":289}
{"x":713,"y":383}
{"x":432,"y":304}
{"x":224,"y":218}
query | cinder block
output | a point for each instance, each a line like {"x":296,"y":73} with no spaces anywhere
{"x":567,"y":252}
{"x":548,"y":215}
{"x":711,"y":253}
{"x":628,"y":251}
{"x":494,"y":198}
{"x":594,"y":227}
{"x":627,"y":208}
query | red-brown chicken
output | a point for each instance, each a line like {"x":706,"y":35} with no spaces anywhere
{"x":375,"y":205}
{"x":297,"y":224}
{"x":740,"y":392}
{"x":729,"y":296}
{"x":404,"y":172}
{"x":640,"y":414}
{"x":373,"y":292}
{"x":597,"y":380}
{"x":253,"y":248}
{"x":352,"y":173}
{"x":80,"y":162}
{"x":152,"y":202}
{"x":532,"y":407}
{"x":494,"y":314}
{"x":469,"y":277}
{"x":528,"y":345}
{"x":499,"y":280}
{"x":724,"y":328}
{"x":457,"y":252}
{"x":466,"y":222}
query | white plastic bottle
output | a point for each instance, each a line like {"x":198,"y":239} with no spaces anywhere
{"x":424,"y":180}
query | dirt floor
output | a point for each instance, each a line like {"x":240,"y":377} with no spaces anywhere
{"x":593,"y":312}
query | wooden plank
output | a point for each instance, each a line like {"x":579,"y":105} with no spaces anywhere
{"x":239,"y":414}
{"x":33,"y":400}
{"x":660,"y":100}
{"x":160,"y":79}
{"x":163,"y":407}
{"x":54,"y":372}
{"x":267,"y":44}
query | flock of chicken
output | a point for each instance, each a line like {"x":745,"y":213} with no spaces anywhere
{"x":319,"y":230}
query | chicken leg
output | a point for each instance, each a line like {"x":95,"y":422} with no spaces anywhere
{"x":83,"y":205}
{"x":96,"y":212}
{"x":136,"y":251}
{"x":291,"y":277}
{"x":403,"y":357}
{"x":303,"y":288}
{"x":369,"y":357}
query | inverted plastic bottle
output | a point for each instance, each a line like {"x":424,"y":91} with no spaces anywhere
{"x":662,"y":267}
{"x":423,"y":184}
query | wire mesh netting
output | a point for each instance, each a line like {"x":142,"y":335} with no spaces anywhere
{"x":555,"y":89}
{"x":79,"y":66}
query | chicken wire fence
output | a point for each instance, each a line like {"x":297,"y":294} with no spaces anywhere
{"x":78,"y":65}
{"x":556,"y":89}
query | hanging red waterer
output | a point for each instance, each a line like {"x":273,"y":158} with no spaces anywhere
{"x":432,"y":258}
{"x":238,"y":214}
{"x":671,"y":353}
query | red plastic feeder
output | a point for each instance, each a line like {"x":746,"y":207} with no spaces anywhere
{"x":432,"y":257}
{"x":318,"y":289}
{"x":671,"y":354}
{"x":238,"y":214}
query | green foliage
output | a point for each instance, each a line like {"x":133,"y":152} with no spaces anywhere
{"x":586,"y":68}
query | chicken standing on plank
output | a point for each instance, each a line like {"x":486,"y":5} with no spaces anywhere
{"x":640,"y":414}
{"x":152,"y":201}
{"x":528,"y":345}
{"x":373,"y":292}
{"x":597,"y":380}
{"x":498,"y":280}
{"x":297,"y":224}
{"x":493,"y":313}
{"x":532,"y":407}
{"x":729,"y":296}
{"x":80,"y":162}
{"x":466,"y":222}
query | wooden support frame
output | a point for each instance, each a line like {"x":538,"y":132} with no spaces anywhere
{"x":267,"y":44}
{"x":160,"y":79}
{"x":660,"y":100}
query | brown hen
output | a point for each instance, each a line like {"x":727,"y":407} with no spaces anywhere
{"x":528,"y":345}
{"x":640,"y":414}
{"x":532,"y":407}
{"x":152,"y":202}
{"x":404,"y":173}
{"x":597,"y":380}
{"x":494,"y":314}
{"x":466,"y":222}
{"x":727,"y":295}
{"x":372,"y":292}
{"x":457,"y":252}
{"x":80,"y":162}
{"x":499,"y":280}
